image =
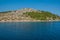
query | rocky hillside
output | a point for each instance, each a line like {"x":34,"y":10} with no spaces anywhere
{"x":28,"y":14}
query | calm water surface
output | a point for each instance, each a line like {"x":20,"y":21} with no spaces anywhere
{"x":29,"y":30}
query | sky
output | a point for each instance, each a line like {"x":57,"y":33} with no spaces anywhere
{"x":45,"y":5}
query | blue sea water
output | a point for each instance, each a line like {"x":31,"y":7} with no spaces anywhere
{"x":30,"y":30}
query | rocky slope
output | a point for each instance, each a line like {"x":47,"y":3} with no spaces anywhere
{"x":27,"y":14}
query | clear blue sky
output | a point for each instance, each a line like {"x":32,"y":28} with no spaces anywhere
{"x":46,"y":5}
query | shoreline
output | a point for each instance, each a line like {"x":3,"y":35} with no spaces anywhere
{"x":30,"y":21}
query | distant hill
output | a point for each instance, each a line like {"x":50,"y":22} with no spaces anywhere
{"x":28,"y":14}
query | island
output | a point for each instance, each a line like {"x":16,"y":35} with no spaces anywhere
{"x":28,"y":15}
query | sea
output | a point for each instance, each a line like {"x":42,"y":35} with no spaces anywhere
{"x":30,"y":30}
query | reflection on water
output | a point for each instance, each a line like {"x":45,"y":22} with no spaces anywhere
{"x":30,"y":31}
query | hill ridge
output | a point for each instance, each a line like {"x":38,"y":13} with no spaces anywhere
{"x":27,"y":14}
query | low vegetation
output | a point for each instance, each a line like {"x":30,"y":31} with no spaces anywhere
{"x":42,"y":15}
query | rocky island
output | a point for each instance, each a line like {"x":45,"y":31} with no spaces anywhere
{"x":27,"y":15}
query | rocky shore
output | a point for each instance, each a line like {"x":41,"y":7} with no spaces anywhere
{"x":29,"y":20}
